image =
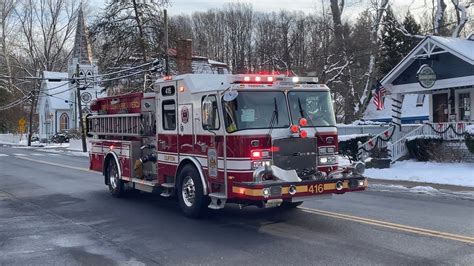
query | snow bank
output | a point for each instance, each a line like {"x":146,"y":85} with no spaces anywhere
{"x":352,"y":136}
{"x":10,"y":138}
{"x":470,"y":129}
{"x":410,"y":138}
{"x":368,"y":122}
{"x":460,"y":174}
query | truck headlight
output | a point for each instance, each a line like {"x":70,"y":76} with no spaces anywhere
{"x":266,"y":192}
{"x":327,"y":160}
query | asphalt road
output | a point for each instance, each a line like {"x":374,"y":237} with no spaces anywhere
{"x":55,"y":212}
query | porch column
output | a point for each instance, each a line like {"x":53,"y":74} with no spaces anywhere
{"x":397,"y":101}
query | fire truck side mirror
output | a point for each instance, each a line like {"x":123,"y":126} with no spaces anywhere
{"x":207,"y":114}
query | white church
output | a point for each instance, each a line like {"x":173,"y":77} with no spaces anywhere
{"x":57,"y":104}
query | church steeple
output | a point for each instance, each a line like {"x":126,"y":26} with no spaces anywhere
{"x":82,"y":50}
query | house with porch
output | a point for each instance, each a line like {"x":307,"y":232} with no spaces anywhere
{"x":439,"y":70}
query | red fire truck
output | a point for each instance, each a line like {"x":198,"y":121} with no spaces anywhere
{"x":214,"y":139}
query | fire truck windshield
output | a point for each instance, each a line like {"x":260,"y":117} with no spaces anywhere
{"x":255,"y":110}
{"x":315,"y":106}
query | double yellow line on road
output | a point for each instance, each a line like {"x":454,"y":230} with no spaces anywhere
{"x":362,"y":220}
{"x":394,"y":226}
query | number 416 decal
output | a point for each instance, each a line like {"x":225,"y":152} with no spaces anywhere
{"x":316,"y":189}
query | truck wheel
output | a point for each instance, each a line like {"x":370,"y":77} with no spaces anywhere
{"x":191,"y":192}
{"x":113,"y":178}
{"x":290,"y":205}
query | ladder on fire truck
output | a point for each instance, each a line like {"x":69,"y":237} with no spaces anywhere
{"x":125,"y":125}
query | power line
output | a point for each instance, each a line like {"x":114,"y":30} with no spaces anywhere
{"x":16,"y":102}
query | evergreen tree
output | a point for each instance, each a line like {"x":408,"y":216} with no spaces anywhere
{"x":412,"y":28}
{"x":392,"y":50}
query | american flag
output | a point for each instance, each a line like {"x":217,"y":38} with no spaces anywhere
{"x":378,"y":96}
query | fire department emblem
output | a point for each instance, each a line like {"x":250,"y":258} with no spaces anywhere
{"x":212,"y":162}
{"x":185,"y":115}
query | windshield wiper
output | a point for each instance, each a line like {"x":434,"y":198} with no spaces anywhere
{"x":310,"y":121}
{"x":272,"y":120}
{"x":302,"y":111}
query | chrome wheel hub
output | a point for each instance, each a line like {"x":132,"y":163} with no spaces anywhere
{"x":188,"y":191}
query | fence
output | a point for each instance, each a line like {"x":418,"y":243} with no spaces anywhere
{"x":361,"y":129}
{"x":394,"y":140}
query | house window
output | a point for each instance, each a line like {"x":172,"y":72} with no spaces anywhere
{"x":63,"y":122}
{"x":420,"y":100}
{"x":464,"y":106}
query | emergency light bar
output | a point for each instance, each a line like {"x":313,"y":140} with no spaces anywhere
{"x":262,"y":79}
{"x":269,"y":79}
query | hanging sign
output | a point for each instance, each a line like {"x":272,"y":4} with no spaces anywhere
{"x":426,"y":76}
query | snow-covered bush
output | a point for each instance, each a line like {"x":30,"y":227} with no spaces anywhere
{"x":469,"y":138}
{"x":348,"y":144}
{"x":423,"y":147}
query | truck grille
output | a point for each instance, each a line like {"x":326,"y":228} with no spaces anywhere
{"x":296,"y":154}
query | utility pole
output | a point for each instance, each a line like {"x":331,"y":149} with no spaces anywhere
{"x":167,"y":56}
{"x":34,"y":101}
{"x":79,"y":109}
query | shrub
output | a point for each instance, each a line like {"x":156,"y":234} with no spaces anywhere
{"x":469,"y":138}
{"x":422,"y":147}
{"x":348,"y":145}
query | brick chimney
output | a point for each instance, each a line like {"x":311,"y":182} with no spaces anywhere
{"x":184,"y":56}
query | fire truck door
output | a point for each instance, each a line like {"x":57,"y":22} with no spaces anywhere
{"x":185,"y":128}
{"x":167,"y":131}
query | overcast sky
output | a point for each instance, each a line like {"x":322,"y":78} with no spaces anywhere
{"x":353,"y":7}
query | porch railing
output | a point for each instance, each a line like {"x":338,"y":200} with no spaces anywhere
{"x":394,"y":140}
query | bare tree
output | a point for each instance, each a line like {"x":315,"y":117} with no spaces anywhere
{"x":46,"y":28}
{"x":438,"y":18}
{"x":461,"y":16}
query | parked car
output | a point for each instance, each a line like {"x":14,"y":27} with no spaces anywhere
{"x":62,"y":137}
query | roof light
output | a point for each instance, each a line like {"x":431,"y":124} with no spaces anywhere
{"x":295,"y":79}
{"x":258,"y":79}
{"x":270,"y":79}
{"x":167,"y":77}
{"x":246,"y":78}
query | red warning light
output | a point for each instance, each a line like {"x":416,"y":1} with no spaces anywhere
{"x":294,"y":128}
{"x":256,"y":154}
{"x":303,"y":122}
{"x":247,"y":79}
{"x":303,"y":134}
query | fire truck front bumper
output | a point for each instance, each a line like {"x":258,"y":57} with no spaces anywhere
{"x":339,"y":182}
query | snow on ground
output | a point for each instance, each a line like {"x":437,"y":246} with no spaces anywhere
{"x":460,"y":174}
{"x":352,"y":136}
{"x":470,"y":129}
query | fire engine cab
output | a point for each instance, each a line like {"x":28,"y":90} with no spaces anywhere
{"x":264,"y":140}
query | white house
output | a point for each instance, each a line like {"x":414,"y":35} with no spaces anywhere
{"x":54,"y":104}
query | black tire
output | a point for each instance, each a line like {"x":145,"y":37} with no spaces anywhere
{"x":190,"y":184}
{"x":290,"y":205}
{"x":113,"y":180}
